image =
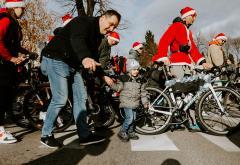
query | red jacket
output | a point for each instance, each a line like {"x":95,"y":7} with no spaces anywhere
{"x":175,"y":36}
{"x":4,"y":24}
{"x":10,"y":36}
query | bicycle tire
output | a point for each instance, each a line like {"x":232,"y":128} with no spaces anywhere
{"x":32,"y":109}
{"x":152,"y":123}
{"x":211,"y":118}
{"x":17,"y":114}
{"x":104,"y":118}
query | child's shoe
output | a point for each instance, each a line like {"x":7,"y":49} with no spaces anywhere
{"x":133,"y":136}
{"x":123,"y":136}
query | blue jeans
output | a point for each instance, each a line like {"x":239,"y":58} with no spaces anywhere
{"x":128,"y":123}
{"x":59,"y":74}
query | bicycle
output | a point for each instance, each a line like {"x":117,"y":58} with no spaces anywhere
{"x":35,"y":97}
{"x":217,"y":108}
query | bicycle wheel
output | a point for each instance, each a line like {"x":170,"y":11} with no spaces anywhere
{"x":210,"y":116}
{"x":152,"y":122}
{"x":36,"y":104}
{"x":17,"y":113}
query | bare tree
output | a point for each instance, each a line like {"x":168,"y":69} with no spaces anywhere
{"x":201,"y":43}
{"x":86,"y":7}
{"x":90,"y":8}
{"x":36,"y":24}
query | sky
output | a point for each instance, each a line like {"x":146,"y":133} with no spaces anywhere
{"x":214,"y":16}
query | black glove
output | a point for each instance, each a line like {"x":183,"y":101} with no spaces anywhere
{"x":184,"y":48}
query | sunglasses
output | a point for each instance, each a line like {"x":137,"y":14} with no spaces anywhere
{"x":141,"y":48}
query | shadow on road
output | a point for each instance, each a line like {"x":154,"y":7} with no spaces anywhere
{"x":234,"y":135}
{"x":73,"y":153}
{"x":171,"y":162}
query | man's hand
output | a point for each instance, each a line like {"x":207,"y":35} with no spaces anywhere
{"x":89,"y":63}
{"x":108,"y":80}
{"x":166,"y":61}
{"x":17,"y":60}
{"x":146,"y":105}
{"x":207,"y":66}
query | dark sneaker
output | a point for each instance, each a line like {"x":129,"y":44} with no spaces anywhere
{"x":178,"y":127}
{"x":123,"y":136}
{"x":51,"y":142}
{"x":133,"y":136}
{"x":91,"y":139}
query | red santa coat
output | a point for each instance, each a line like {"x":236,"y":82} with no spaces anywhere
{"x":178,"y":34}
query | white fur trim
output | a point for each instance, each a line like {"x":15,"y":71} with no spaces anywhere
{"x":66,"y":22}
{"x":137,"y":47}
{"x":221,"y":38}
{"x":162,"y":59}
{"x":191,"y":12}
{"x":112,"y":38}
{"x":14,"y":4}
{"x":200,"y":60}
{"x":181,"y":63}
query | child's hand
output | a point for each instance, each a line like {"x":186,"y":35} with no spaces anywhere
{"x":146,"y":105}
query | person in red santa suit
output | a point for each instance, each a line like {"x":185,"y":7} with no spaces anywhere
{"x":182,"y":47}
{"x":11,"y":55}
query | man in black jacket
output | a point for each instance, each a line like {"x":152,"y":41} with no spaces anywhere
{"x":74,"y":47}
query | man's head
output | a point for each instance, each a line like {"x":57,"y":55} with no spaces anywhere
{"x":188,"y":15}
{"x":17,"y":6}
{"x":109,"y":21}
{"x":113,"y":38}
{"x":138,"y":47}
{"x":220,"y":38}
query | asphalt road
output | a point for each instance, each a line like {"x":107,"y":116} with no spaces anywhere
{"x":170,"y":148}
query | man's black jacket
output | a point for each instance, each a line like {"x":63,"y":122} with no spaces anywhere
{"x":80,"y":38}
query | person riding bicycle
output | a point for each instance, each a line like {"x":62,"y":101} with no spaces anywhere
{"x":75,"y":47}
{"x":183,"y":49}
{"x":132,"y":88}
{"x":11,"y":55}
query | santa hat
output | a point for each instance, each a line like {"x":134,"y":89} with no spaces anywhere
{"x":187,"y":11}
{"x":132,"y":64}
{"x":114,"y":36}
{"x":50,"y":38}
{"x":137,"y":45}
{"x":220,"y":36}
{"x":66,"y":18}
{"x":14,"y":3}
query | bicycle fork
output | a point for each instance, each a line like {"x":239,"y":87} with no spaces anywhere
{"x":216,"y":98}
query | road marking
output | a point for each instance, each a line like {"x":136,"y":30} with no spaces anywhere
{"x":153,"y":143}
{"x":221,"y":141}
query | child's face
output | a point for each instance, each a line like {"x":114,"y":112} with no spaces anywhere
{"x":134,"y":72}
